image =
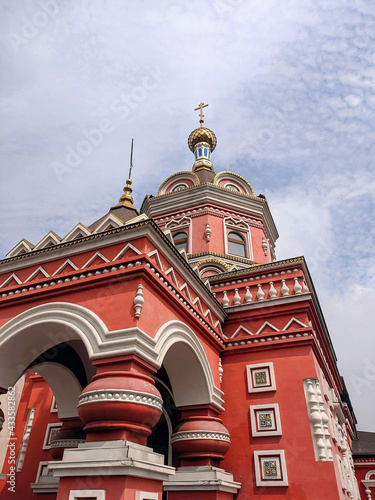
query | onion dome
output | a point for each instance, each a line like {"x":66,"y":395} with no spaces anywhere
{"x":202,"y":141}
{"x":202,"y":134}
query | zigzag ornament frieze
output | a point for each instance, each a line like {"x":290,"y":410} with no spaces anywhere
{"x":169,"y":273}
{"x":241,"y":328}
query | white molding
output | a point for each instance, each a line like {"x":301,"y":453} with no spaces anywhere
{"x":266,"y":323}
{"x":294,"y":320}
{"x":53,"y":408}
{"x":50,"y":426}
{"x":77,"y":229}
{"x":275,"y":430}
{"x":279,"y":455}
{"x":202,"y":479}
{"x":121,"y":396}
{"x":199,"y":369}
{"x":270,"y":384}
{"x":200,"y":434}
{"x":229,"y":225}
{"x":51,"y":236}
{"x":239,"y":329}
{"x":92,"y":258}
{"x":25,"y":439}
{"x":21,"y":245}
{"x":78,"y":494}
{"x":111,"y":219}
{"x":50,"y":324}
{"x":36,"y":272}
{"x":112,"y":458}
{"x":9,"y":279}
{"x":144,"y":495}
{"x":44,"y":483}
{"x":65,"y":386}
{"x":125,"y":249}
{"x":68,"y":262}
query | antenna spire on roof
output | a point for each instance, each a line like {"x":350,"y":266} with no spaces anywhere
{"x":126,"y":199}
{"x":201,"y":115}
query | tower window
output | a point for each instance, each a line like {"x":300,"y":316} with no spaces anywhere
{"x":181,"y":240}
{"x":236,"y":244}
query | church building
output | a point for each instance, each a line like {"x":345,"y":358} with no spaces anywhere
{"x":166,"y":354}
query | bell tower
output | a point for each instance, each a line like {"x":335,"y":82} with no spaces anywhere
{"x":215,"y":219}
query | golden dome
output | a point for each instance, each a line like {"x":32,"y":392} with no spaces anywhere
{"x":202,"y":134}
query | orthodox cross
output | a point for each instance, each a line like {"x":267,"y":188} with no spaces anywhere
{"x":201,"y":115}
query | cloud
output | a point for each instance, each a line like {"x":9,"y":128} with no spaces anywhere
{"x":291,"y":102}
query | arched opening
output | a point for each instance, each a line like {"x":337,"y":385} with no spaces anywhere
{"x":236,"y":244}
{"x":181,"y":240}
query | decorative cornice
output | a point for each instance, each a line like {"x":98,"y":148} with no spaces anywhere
{"x":248,"y":262}
{"x":257,"y":267}
{"x":78,"y":241}
{"x":268,"y":338}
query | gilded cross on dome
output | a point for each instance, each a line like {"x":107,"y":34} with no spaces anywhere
{"x":201,"y":115}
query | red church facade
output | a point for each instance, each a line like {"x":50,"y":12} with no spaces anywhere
{"x":168,"y":354}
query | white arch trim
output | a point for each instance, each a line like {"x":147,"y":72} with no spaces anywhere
{"x":65,"y":387}
{"x":192,"y":382}
{"x":47,"y":325}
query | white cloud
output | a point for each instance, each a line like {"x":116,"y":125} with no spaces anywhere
{"x":291,"y":101}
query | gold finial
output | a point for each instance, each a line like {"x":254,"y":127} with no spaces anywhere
{"x":126,"y":199}
{"x":201,"y":115}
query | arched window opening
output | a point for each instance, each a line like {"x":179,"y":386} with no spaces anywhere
{"x":229,"y":185}
{"x":236,"y":244}
{"x":179,"y":187}
{"x":181,"y":241}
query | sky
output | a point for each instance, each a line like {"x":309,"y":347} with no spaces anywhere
{"x":290,"y":87}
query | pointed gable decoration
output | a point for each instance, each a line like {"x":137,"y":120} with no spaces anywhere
{"x":96,"y":260}
{"x":39,"y":273}
{"x":171,"y":272}
{"x":138,"y":218}
{"x":110,"y":222}
{"x":155,"y":254}
{"x":10,"y":279}
{"x":184,"y":288}
{"x":49,"y":240}
{"x":297,"y":322}
{"x":66,"y":267}
{"x":22,"y":247}
{"x":240,"y":329}
{"x":268,"y":326}
{"x":128,"y":249}
{"x":78,"y":231}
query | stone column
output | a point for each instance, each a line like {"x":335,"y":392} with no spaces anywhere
{"x":118,"y":409}
{"x":200,"y":443}
{"x":70,"y":435}
{"x":121,"y":402}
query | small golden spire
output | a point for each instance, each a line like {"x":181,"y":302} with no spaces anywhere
{"x":126,"y":199}
{"x":201,"y":115}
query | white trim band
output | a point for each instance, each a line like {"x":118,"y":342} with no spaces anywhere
{"x":121,"y":396}
{"x":218,"y":436}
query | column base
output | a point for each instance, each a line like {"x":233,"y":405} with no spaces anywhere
{"x":112,"y":458}
{"x":215,"y":482}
